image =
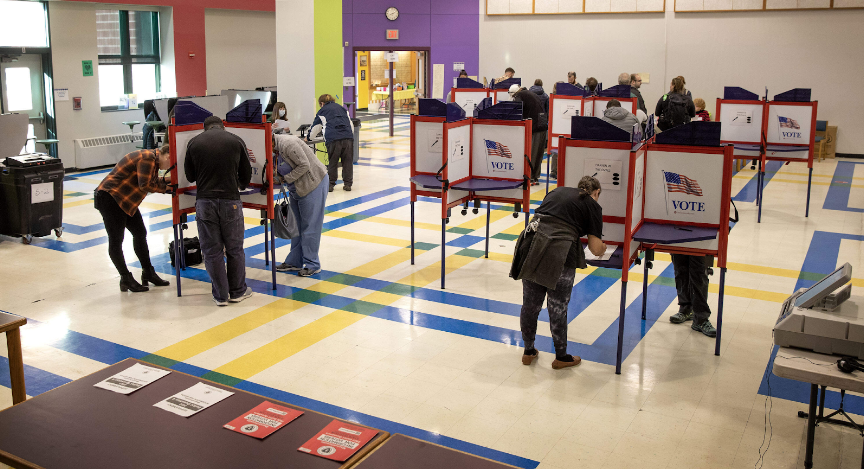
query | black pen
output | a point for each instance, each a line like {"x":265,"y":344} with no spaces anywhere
{"x":682,"y":229}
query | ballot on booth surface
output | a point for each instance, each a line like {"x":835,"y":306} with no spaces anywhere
{"x":610,"y":249}
{"x":338,"y":441}
{"x":263,"y":420}
{"x":132,"y":379}
{"x":193,"y":400}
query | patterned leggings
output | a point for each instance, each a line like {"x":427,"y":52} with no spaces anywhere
{"x":532,"y":302}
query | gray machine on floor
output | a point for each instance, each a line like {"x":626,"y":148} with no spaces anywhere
{"x":824,"y":318}
{"x":31,"y":196}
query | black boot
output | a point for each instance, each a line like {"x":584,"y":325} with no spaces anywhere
{"x":149,"y":275}
{"x":127,"y":282}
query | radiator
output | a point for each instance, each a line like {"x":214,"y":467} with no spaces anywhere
{"x":104,"y":151}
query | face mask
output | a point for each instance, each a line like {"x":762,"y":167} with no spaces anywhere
{"x":281,"y":113}
{"x":162,"y":173}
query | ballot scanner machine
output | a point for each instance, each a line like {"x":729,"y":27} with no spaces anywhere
{"x":824,"y":318}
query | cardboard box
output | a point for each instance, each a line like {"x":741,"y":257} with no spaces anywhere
{"x":831,"y":141}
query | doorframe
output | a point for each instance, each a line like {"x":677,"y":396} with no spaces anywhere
{"x":428,"y":51}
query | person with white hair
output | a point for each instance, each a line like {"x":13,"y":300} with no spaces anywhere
{"x":624,"y":79}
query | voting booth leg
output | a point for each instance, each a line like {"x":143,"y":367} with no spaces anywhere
{"x":548,"y":165}
{"x":809,"y":183}
{"x":443,"y":248}
{"x":266,"y":244}
{"x":645,"y":288}
{"x":182,"y":247}
{"x":177,"y":260}
{"x":720,"y":310}
{"x":273,"y":255}
{"x":527,"y":214}
{"x":621,"y":328}
{"x":412,"y":233}
{"x":811,"y":427}
{"x":488,"y":216}
{"x":760,"y":196}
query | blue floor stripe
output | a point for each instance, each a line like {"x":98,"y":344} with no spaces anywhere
{"x":841,"y":188}
{"x":748,"y":192}
{"x":36,"y":381}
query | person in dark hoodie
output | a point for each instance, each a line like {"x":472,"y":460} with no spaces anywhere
{"x":619,"y":117}
{"x":635,"y":84}
{"x":544,"y":98}
{"x":532,"y":108}
{"x":546,"y":257}
{"x":674,"y":108}
{"x":338,"y":138}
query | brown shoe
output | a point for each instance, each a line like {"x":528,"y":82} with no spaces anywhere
{"x":557,"y":364}
{"x":529,"y":359}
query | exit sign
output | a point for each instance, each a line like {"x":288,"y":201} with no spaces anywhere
{"x":392,"y":34}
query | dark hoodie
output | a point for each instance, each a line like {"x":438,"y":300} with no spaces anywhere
{"x":544,"y":98}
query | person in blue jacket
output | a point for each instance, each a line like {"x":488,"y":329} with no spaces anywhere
{"x":338,"y":138}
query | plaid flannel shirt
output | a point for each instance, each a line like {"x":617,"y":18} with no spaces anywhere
{"x":134,"y":176}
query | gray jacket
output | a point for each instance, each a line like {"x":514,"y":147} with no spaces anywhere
{"x":307,"y":171}
{"x":621,"y":118}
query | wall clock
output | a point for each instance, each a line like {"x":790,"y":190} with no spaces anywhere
{"x":392,"y":13}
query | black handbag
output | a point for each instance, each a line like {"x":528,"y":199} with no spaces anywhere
{"x":192,"y":251}
{"x":284,"y":223}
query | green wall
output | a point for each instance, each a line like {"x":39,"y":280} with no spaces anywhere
{"x":328,"y":49}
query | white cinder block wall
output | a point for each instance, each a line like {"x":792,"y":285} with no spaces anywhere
{"x":241,"y":49}
{"x":821,"y":50}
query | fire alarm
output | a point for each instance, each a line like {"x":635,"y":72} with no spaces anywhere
{"x":191,"y":54}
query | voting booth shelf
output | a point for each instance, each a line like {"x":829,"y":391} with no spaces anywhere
{"x":187,"y":124}
{"x":469,"y":159}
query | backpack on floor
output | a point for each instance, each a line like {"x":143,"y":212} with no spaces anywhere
{"x":192,"y":251}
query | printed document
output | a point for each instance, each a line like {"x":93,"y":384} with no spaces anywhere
{"x":193,"y":400}
{"x":605,"y":257}
{"x":132,"y":379}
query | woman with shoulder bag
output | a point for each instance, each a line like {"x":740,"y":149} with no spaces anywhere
{"x":307,"y":182}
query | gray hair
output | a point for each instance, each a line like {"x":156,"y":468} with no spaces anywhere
{"x":624,"y":79}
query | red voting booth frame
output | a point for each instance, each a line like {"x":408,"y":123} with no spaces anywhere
{"x":267,"y":212}
{"x":441,"y":190}
{"x":627,"y":259}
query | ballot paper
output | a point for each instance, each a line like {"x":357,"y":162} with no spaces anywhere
{"x":263,"y":420}
{"x":605,"y":257}
{"x":338,"y":441}
{"x":132,"y":379}
{"x":193,"y":400}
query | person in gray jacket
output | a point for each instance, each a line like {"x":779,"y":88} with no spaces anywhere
{"x":619,"y":117}
{"x":307,"y":182}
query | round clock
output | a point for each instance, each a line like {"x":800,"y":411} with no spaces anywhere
{"x":392,"y":13}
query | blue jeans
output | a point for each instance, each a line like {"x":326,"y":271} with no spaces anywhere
{"x":221,"y":228}
{"x":309,"y":213}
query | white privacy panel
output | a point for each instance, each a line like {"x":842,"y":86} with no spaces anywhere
{"x":256,"y":146}
{"x":638,"y":189}
{"x":582,"y":161}
{"x":498,"y":151}
{"x":428,"y":146}
{"x":468,"y":100}
{"x":741,"y":122}
{"x":682,"y":186}
{"x":458,"y":153}
{"x":562,"y":111}
{"x":789,"y":124}
{"x":182,"y":140}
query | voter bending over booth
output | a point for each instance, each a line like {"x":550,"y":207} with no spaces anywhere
{"x":547,"y":253}
{"x":217,"y":161}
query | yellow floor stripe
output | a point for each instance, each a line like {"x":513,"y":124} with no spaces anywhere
{"x":366,"y":238}
{"x":406,"y":223}
{"x":480,"y":222}
{"x":78,"y":203}
{"x":432,"y":273}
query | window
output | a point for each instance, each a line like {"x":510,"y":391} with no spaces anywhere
{"x":24,"y":24}
{"x":18,"y":87}
{"x":128,"y":44}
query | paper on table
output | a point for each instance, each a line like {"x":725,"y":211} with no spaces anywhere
{"x":193,"y":400}
{"x":263,"y":420}
{"x":605,"y":257}
{"x":338,"y":441}
{"x":132,"y":379}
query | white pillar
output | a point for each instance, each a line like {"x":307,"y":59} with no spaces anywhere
{"x":295,"y":59}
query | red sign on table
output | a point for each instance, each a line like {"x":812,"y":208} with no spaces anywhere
{"x":263,"y":420}
{"x":338,"y":441}
{"x":392,"y":34}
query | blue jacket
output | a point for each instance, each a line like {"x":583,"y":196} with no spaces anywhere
{"x":337,"y":125}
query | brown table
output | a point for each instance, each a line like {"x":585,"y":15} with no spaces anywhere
{"x":9,"y":323}
{"x":404,"y":452}
{"x":77,"y":425}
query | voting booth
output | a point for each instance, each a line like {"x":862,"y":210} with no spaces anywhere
{"x":567,"y":101}
{"x":247,"y":122}
{"x":501,"y":90}
{"x":604,"y":151}
{"x":468,"y":94}
{"x":457,"y":159}
{"x":599,"y":102}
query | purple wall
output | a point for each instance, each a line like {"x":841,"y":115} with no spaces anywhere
{"x":449,"y":28}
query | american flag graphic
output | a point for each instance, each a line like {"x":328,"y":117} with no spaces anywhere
{"x":251,"y":155}
{"x":496,"y":149}
{"x":788,"y":123}
{"x":679,"y":183}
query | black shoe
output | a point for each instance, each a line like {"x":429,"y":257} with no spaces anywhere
{"x":127,"y":282}
{"x":346,"y":188}
{"x":149,"y":276}
{"x":331,"y":189}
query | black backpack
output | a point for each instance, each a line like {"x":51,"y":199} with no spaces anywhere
{"x":192,"y":256}
{"x":675,"y":113}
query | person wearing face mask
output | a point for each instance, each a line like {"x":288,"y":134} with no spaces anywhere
{"x":279,"y":118}
{"x":117,"y":198}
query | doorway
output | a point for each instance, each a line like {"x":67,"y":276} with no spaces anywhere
{"x":23,"y":90}
{"x":410,"y":79}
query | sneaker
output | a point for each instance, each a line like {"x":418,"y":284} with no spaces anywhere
{"x":706,"y":328}
{"x":242,"y":297}
{"x":283,"y":267}
{"x":558,"y":364}
{"x":331,"y":188}
{"x":681,"y":317}
{"x":346,"y":188}
{"x":306,"y":272}
{"x":220,"y":302}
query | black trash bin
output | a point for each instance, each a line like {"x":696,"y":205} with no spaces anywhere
{"x":356,"y":123}
{"x":31,"y":199}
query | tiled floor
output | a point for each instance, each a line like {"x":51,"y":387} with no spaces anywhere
{"x":372,"y":337}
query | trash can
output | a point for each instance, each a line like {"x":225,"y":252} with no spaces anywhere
{"x":356,"y":123}
{"x":31,"y":197}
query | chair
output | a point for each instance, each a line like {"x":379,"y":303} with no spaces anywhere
{"x":821,"y":137}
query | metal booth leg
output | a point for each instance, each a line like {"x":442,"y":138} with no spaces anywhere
{"x":548,"y":165}
{"x":649,"y":257}
{"x":266,"y":235}
{"x":412,"y":233}
{"x":273,"y":256}
{"x":527,"y":214}
{"x":177,"y":260}
{"x":443,"y":249}
{"x":621,"y":328}
{"x":760,"y":195}
{"x":811,"y":427}
{"x":488,"y":217}
{"x":720,"y":310}
{"x":809,"y":183}
{"x":182,"y":246}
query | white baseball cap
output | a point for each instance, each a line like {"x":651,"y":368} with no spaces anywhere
{"x":514,"y":89}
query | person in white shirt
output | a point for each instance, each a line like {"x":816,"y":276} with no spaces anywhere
{"x":279,"y":118}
